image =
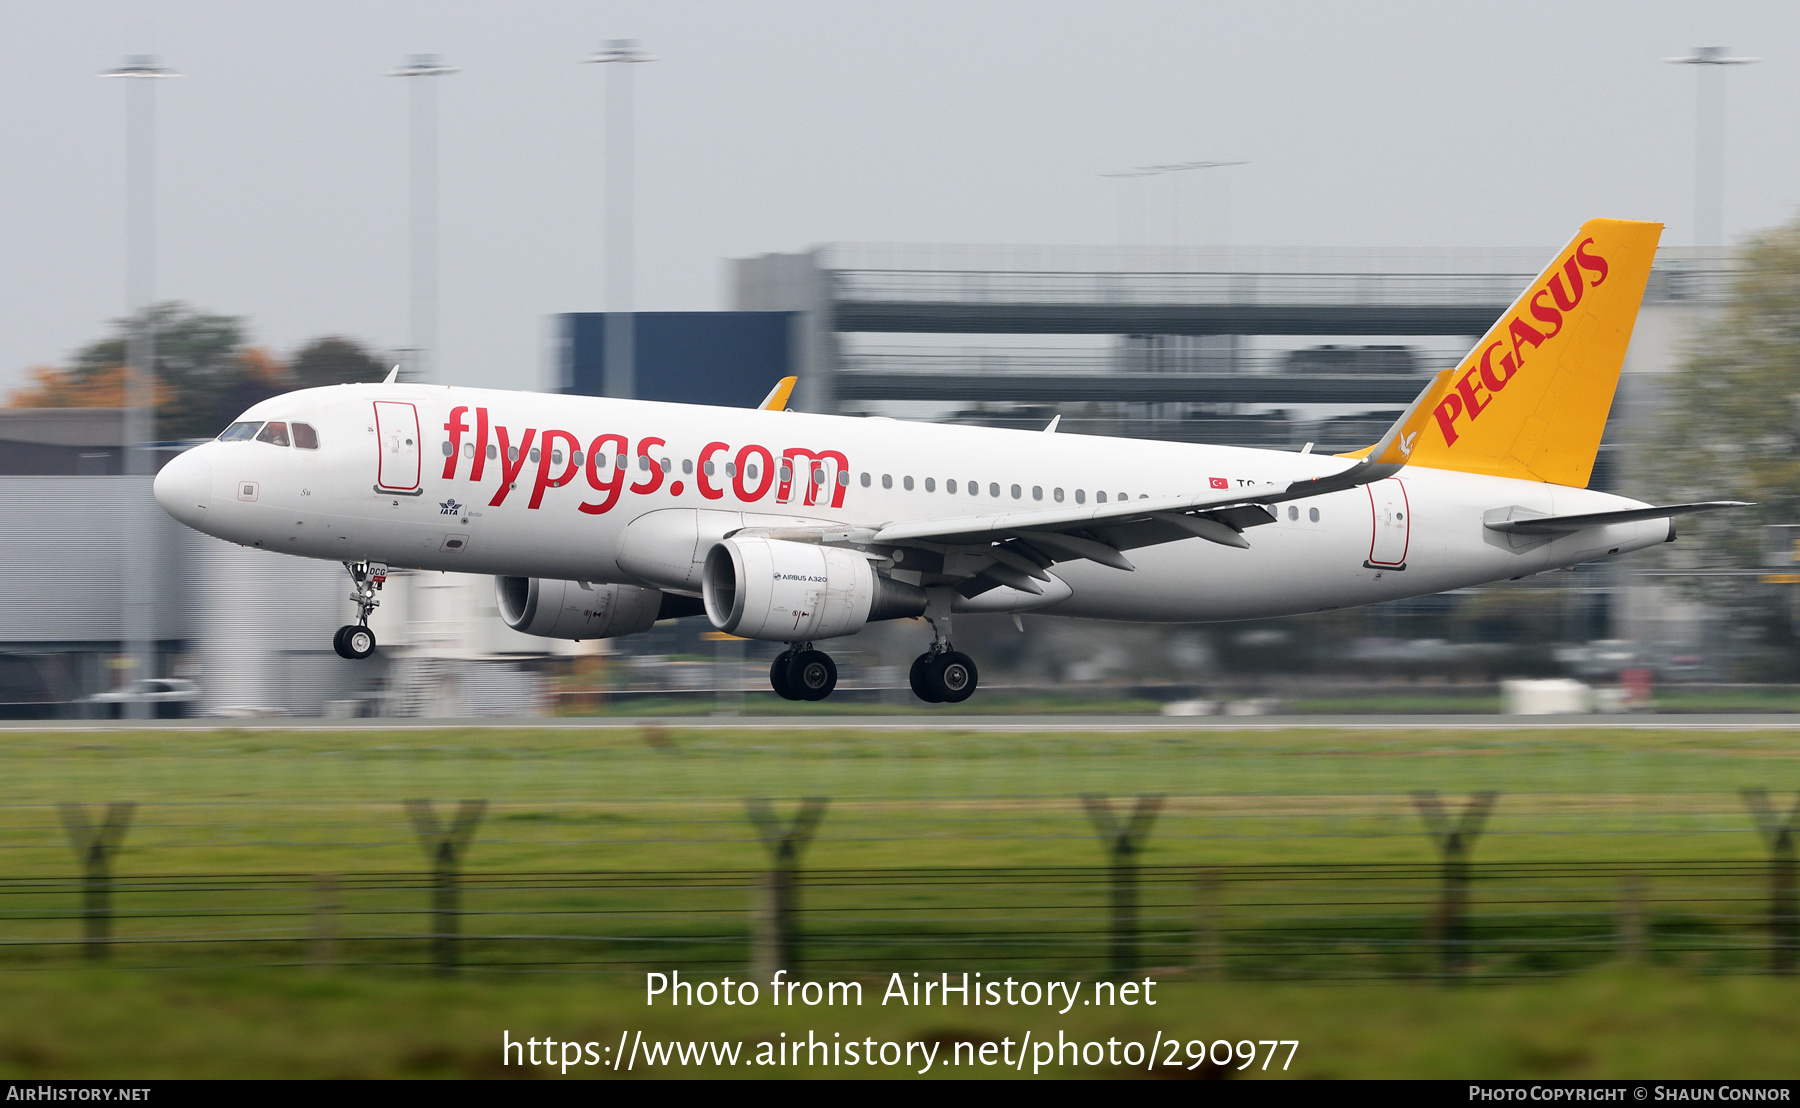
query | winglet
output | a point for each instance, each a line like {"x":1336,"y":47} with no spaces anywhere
{"x":393,"y":375}
{"x":1054,"y":420}
{"x":777,"y":400}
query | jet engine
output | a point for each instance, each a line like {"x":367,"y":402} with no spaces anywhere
{"x":764,"y":588}
{"x":577,"y":610}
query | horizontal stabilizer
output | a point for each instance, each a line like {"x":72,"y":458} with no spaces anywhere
{"x":1557,"y":525}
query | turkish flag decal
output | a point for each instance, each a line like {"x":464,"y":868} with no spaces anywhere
{"x":1220,"y":483}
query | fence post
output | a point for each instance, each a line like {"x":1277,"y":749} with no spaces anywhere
{"x":1634,"y":924}
{"x":323,"y":947}
{"x":1123,"y":839}
{"x":775,"y":927}
{"x":444,"y":845}
{"x":1209,"y":923}
{"x":95,"y":847}
{"x":1450,"y":926}
{"x":1784,"y":909}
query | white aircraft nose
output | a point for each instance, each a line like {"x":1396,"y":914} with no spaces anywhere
{"x":184,"y":487}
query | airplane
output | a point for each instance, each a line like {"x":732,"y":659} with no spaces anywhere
{"x":599,"y":517}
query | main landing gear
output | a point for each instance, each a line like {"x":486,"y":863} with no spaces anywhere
{"x":802,"y":673}
{"x":943,"y":674}
{"x":355,"y":640}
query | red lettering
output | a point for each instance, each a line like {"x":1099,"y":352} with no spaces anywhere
{"x":1567,"y":300}
{"x":1446,"y":413}
{"x":481,"y":444}
{"x":511,"y":462}
{"x":613,"y":484}
{"x":1495,"y":384}
{"x":546,"y":458}
{"x":767,"y":474}
{"x":1546,"y":314}
{"x":1593,"y":263}
{"x":655,"y":480}
{"x":702,"y":479}
{"x":1523,"y":332}
{"x":456,"y":427}
{"x":1471,"y":403}
{"x":790,"y":459}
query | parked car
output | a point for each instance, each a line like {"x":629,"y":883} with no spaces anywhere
{"x":167,"y":697}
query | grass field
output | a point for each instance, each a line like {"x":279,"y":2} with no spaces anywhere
{"x":602,"y":854}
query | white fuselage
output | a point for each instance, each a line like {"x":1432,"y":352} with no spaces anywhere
{"x":375,"y":488}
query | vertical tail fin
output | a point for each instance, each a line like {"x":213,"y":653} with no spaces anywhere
{"x":1531,"y":400}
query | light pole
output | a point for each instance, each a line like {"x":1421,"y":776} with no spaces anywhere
{"x":1709,"y":141}
{"x":424,"y":209}
{"x":142,"y":528}
{"x":619,"y":367}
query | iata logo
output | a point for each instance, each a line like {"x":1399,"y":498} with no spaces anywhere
{"x":449,"y":507}
{"x":1565,"y":289}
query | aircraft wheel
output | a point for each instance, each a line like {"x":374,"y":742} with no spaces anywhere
{"x":812,"y":675}
{"x":953,"y":676}
{"x":920,"y":678}
{"x":354,"y":642}
{"x":778,"y":676}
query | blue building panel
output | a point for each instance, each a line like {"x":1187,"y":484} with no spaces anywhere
{"x":727,"y":358}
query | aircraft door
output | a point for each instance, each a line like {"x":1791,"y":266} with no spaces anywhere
{"x":397,"y":432}
{"x":1388,"y":512}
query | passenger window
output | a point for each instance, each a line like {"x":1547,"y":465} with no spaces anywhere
{"x":305,"y":437}
{"x":994,"y":489}
{"x":785,"y":473}
{"x":468,"y":450}
{"x":555,"y":457}
{"x":1312,"y":514}
{"x":534,"y":453}
{"x":493,"y":451}
{"x":576,"y":457}
{"x":907,"y":483}
{"x":1124,"y":496}
{"x":949,"y":486}
{"x":1016,"y":492}
{"x":239,"y":432}
{"x":1057,"y":495}
{"x":1099,"y":497}
{"x":275,"y":434}
{"x":931,"y":485}
{"x":1081,"y":496}
{"x":1037,"y":492}
{"x":887,"y":481}
{"x":731,"y":469}
{"x":448,"y":449}
{"x":974,"y":488}
{"x":687,"y":465}
{"x":844,"y":478}
{"x":865,"y":480}
{"x":667,"y":465}
{"x":1293,"y":513}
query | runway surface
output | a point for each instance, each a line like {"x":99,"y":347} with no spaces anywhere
{"x":964,"y":723}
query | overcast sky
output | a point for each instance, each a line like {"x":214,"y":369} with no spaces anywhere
{"x":282,"y":180}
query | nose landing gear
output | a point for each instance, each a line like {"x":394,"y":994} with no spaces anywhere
{"x":354,"y":640}
{"x":802,"y":673}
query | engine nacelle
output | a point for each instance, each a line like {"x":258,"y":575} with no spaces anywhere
{"x":571,"y":610}
{"x":796,"y":592}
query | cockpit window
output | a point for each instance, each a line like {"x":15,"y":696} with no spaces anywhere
{"x":274,"y":433}
{"x":240,"y":432}
{"x":305,"y":437}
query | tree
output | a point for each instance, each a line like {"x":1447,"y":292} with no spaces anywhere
{"x":1730,"y":433}
{"x":334,"y":361}
{"x":205,"y":374}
